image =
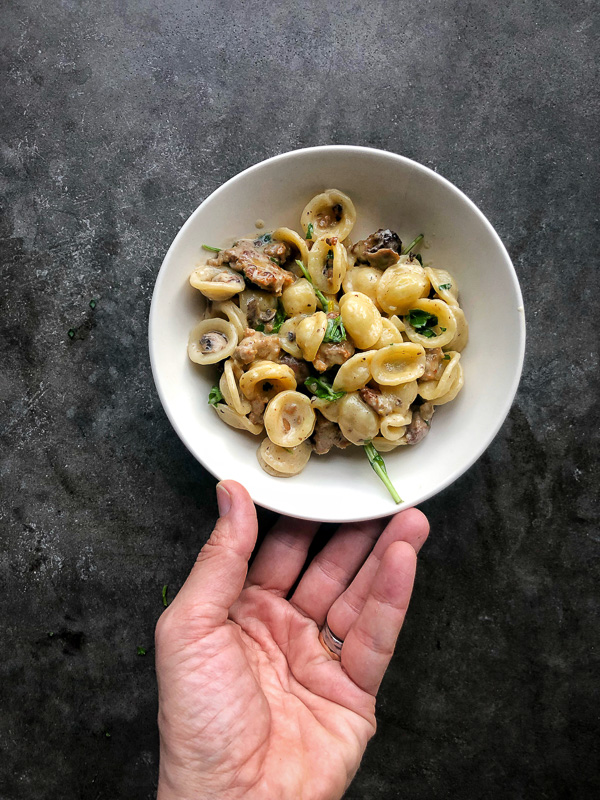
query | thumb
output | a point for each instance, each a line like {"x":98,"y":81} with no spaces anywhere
{"x":218,"y":576}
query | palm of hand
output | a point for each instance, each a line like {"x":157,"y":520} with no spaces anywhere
{"x":250,"y":703}
{"x":266,"y":708}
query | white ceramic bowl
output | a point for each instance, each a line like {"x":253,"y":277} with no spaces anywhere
{"x":388,"y":191}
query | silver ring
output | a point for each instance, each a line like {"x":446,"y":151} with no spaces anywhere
{"x":330,"y":642}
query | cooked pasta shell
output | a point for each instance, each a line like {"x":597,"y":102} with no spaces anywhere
{"x":401,"y":286}
{"x":310,"y":333}
{"x":234,"y":314}
{"x":287,"y":336}
{"x":358,"y":422}
{"x":289,"y":419}
{"x":393,"y":427}
{"x":212,"y":340}
{"x":430,"y":390}
{"x":230,"y":390}
{"x":256,"y":304}
{"x":383,"y":445}
{"x":330,"y":409}
{"x":217,"y":283}
{"x":299,"y":298}
{"x":445,"y":285}
{"x":236,"y":420}
{"x":327,"y":272}
{"x":361,"y":319}
{"x":454,"y":389}
{"x":461,"y":337}
{"x":364,"y":280}
{"x":291,"y":237}
{"x":354,"y":373}
{"x":397,"y":322}
{"x":389,"y":334}
{"x":398,"y":363}
{"x":283,"y":462}
{"x":331,"y":213}
{"x":265,"y":379}
{"x":445,"y":329}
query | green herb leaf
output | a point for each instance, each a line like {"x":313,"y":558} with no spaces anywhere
{"x":212,"y":249}
{"x":326,"y":305}
{"x":274,"y":260}
{"x":215,"y":396}
{"x":264,"y":239}
{"x":445,"y":286}
{"x":335,"y":331}
{"x":322,"y":389}
{"x":309,"y":230}
{"x":164,"y":595}
{"x":107,"y":734}
{"x":418,"y":318}
{"x":378,"y":464}
{"x":413,"y":244}
{"x":442,"y":329}
{"x":71,"y":333}
{"x":447,"y":357}
{"x":92,"y":304}
{"x":141,"y":651}
{"x":280,"y":317}
{"x":260,"y":327}
{"x":428,"y":333}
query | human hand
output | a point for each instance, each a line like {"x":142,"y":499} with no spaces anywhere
{"x":250,"y":703}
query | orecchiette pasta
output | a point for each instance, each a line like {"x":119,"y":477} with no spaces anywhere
{"x":235,"y":420}
{"x":217,"y":283}
{"x":265,"y":379}
{"x":357,"y":420}
{"x":327,"y":264}
{"x":283,"y":462}
{"x":443,"y":324}
{"x":398,"y":363}
{"x":299,"y":298}
{"x":361,"y":319}
{"x":331,"y":213}
{"x":401,"y":286}
{"x":289,"y":419}
{"x":354,"y":373}
{"x":212,"y":340}
{"x":326,"y":343}
{"x":310,"y":333}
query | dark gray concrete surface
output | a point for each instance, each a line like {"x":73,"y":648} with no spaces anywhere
{"x":117,"y":119}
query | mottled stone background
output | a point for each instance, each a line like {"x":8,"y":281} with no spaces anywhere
{"x":117,"y":119}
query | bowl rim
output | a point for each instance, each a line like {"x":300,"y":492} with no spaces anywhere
{"x":357,"y":149}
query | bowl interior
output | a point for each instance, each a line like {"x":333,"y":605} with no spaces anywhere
{"x":388,"y":191}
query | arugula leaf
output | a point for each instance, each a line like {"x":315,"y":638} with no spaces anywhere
{"x":445,"y":286}
{"x":428,"y":333}
{"x":413,"y":244}
{"x":320,"y":296}
{"x":309,"y":230}
{"x":421,"y":319}
{"x":215,"y":396}
{"x":212,"y":249}
{"x":280,"y":317}
{"x":322,"y":389}
{"x":335,"y":331}
{"x":378,"y":464}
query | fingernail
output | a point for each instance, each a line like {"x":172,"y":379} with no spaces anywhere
{"x":223,"y":500}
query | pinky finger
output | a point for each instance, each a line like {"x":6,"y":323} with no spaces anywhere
{"x":370,"y":642}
